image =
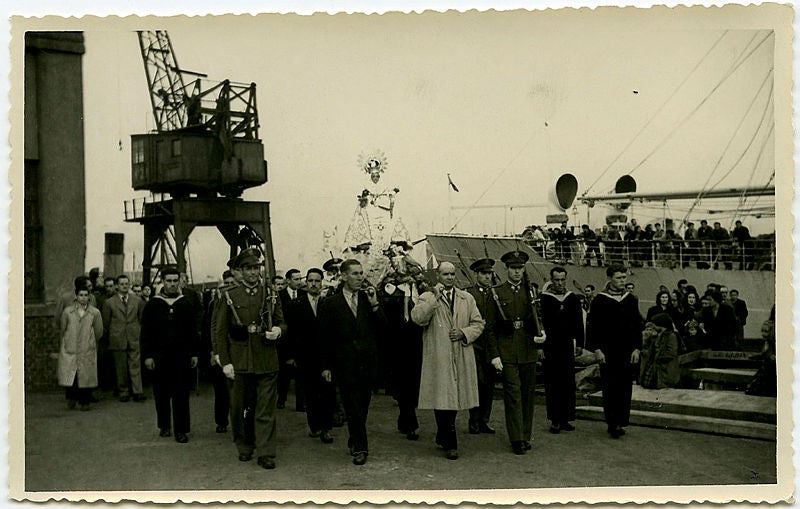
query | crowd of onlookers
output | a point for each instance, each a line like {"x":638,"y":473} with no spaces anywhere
{"x":653,"y":245}
{"x":683,"y":320}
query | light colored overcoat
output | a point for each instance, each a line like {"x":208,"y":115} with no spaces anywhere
{"x":449,"y":379}
{"x":77,"y":355}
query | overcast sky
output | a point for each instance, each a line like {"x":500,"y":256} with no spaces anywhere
{"x":504,"y":102}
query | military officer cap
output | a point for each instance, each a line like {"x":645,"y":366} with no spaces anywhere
{"x":232,"y":262}
{"x":332,"y":264}
{"x":249,"y":256}
{"x":514,"y":258}
{"x":482,"y":265}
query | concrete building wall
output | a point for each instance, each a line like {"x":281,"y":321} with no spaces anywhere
{"x":55,"y":191}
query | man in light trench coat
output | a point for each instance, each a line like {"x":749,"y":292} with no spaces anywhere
{"x":449,"y":381}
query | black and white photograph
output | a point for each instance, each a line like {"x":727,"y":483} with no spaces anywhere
{"x":376,"y":254}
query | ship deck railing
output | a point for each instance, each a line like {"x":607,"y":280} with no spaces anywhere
{"x":755,"y":254}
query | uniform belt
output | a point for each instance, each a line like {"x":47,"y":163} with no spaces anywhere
{"x":255,"y":328}
{"x":518,"y":324}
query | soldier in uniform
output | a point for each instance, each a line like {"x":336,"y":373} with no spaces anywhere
{"x":222,"y":399}
{"x":562,"y":317}
{"x":614,"y":332}
{"x":332,"y":282}
{"x":246,"y":330}
{"x":514,"y":350}
{"x":484,"y":298}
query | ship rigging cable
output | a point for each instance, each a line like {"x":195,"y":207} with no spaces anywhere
{"x":658,"y":111}
{"x":752,"y":139}
{"x":746,"y":149}
{"x":700,"y":104}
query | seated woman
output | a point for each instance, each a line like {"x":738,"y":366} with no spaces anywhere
{"x":659,"y":359}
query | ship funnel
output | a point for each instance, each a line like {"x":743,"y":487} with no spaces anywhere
{"x":566,"y":190}
{"x":625,"y":184}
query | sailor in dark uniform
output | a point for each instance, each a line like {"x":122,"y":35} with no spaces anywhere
{"x":484,"y":298}
{"x":614,"y":332}
{"x":562,"y":317}
{"x":514,"y":350}
{"x":245,"y":335}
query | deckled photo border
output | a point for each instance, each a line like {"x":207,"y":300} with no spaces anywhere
{"x":774,"y":16}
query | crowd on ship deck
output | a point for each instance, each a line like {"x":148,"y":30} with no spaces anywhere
{"x":630,"y":244}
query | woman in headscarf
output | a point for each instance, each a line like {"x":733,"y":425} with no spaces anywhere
{"x":81,"y":328}
{"x":662,"y":305}
{"x":659,"y":358}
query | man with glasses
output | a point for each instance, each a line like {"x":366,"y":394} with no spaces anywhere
{"x":246,"y":330}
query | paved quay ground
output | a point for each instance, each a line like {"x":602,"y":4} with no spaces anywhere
{"x":115,"y":446}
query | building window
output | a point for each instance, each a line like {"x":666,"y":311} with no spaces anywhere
{"x":176,"y":147}
{"x":137,"y":151}
{"x":34,"y":280}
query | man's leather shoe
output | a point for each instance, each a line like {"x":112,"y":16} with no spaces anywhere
{"x":555,"y":429}
{"x":565,"y":426}
{"x":222,"y":429}
{"x":245,"y":456}
{"x":451,"y":454}
{"x":326,"y":437}
{"x":139,"y":398}
{"x":314,"y":434}
{"x":181,"y":438}
{"x":266,"y":462}
{"x":485,"y":428}
{"x":412,"y":435}
{"x":615,"y":432}
{"x":165,"y":433}
{"x":474,"y":429}
{"x":518,"y":448}
{"x":124,"y":399}
{"x":360,"y":458}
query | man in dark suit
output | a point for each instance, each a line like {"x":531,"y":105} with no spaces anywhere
{"x":740,"y":310}
{"x":484,"y":298}
{"x":718,"y":321}
{"x":122,"y":316}
{"x":286,"y":354}
{"x":349,"y":324}
{"x":246,"y":329}
{"x":301,"y":317}
{"x":170,"y":345}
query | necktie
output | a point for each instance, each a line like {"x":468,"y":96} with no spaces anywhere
{"x":448,"y":294}
{"x":125,"y":302}
{"x":352,"y":300}
{"x":314,"y":305}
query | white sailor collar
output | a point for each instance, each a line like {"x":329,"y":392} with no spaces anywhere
{"x":556,"y":296}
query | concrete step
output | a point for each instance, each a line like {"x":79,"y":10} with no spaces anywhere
{"x":712,"y":425}
{"x":723,"y":376}
{"x":717,"y":404}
